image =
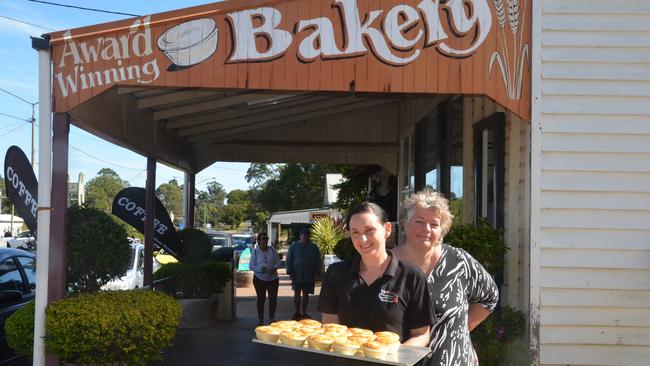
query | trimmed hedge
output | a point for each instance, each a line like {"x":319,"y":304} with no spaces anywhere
{"x":128,"y":327}
{"x":190,"y":281}
{"x":97,"y":250}
{"x":19,"y":330}
{"x":195,"y":246}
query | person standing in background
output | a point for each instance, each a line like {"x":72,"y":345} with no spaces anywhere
{"x":303,"y":266}
{"x":264,"y":263}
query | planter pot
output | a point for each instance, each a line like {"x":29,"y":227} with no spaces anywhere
{"x":101,"y":364}
{"x":244,"y":278}
{"x":198,"y":313}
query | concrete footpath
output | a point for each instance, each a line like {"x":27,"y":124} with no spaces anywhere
{"x":230,"y":343}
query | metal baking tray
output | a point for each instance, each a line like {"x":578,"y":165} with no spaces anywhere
{"x":406,"y":356}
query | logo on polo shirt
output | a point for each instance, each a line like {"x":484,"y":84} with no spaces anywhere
{"x":388,"y":296}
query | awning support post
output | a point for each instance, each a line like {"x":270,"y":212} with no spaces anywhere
{"x":189,"y":190}
{"x":150,"y":212}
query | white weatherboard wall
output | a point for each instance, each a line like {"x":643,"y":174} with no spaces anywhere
{"x":590,"y":182}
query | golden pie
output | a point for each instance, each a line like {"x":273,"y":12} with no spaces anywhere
{"x":360,"y":331}
{"x":375,"y":350}
{"x":296,"y":339}
{"x":267,"y":334}
{"x":345,"y":347}
{"x":310,"y":323}
{"x":386,"y":334}
{"x":390,"y":342}
{"x":320,"y":342}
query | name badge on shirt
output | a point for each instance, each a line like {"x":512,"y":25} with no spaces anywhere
{"x":388,"y":296}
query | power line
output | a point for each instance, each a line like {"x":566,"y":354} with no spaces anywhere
{"x":15,"y":129}
{"x":28,"y":23}
{"x":82,"y":8}
{"x":12,"y":126}
{"x":137,"y":175}
{"x":102,"y":160}
{"x":14,"y":117}
{"x":15,"y":96}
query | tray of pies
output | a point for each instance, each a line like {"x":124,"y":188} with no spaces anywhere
{"x":338,"y":340}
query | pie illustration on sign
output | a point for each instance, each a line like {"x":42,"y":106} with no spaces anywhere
{"x":191,"y":42}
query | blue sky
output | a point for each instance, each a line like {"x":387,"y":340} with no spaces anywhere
{"x":19,"y":75}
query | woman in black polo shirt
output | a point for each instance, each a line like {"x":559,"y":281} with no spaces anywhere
{"x":375,"y":290}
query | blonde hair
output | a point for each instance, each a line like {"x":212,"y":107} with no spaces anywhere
{"x":428,"y":199}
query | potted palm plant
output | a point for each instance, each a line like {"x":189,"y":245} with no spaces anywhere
{"x":326,"y":233}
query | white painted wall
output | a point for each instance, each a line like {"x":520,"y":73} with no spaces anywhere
{"x":590,"y":182}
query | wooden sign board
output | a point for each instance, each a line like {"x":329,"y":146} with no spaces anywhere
{"x":313,"y":216}
{"x":378,"y":46}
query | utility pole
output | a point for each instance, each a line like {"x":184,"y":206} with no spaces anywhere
{"x":33,"y":135}
{"x":33,"y":121}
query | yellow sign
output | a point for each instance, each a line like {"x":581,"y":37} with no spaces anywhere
{"x":313,"y":216}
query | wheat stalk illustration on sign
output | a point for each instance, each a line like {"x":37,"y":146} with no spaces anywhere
{"x":512,"y":73}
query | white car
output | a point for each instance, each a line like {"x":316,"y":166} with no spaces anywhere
{"x":21,"y":240}
{"x":134,"y":276}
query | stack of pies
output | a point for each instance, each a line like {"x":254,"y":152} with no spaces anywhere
{"x":330,"y":337}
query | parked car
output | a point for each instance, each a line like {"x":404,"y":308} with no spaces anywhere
{"x":244,"y":239}
{"x":17,"y":288}
{"x":24,"y":240}
{"x":220,"y":239}
{"x":135,"y":274}
{"x":162,"y":257}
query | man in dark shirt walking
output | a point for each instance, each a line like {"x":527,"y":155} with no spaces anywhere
{"x":303,"y":266}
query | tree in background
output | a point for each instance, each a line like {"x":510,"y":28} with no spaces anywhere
{"x":101,"y":190}
{"x":171,"y":196}
{"x":258,"y":173}
{"x":210,"y":204}
{"x":299,"y":186}
{"x":5,"y":202}
{"x":295,"y":187}
{"x":237,"y":209}
{"x":353,"y":190}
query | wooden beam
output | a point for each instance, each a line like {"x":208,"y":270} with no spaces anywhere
{"x":210,"y":105}
{"x":226,"y":135}
{"x":236,"y":113}
{"x":296,"y":143}
{"x":262,"y":115}
{"x":175,"y":97}
{"x":125,"y":90}
{"x":325,"y":148}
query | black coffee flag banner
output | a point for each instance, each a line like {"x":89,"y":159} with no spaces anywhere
{"x":21,"y":186}
{"x":129,"y":205}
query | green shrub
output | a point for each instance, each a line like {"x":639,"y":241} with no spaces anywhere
{"x":130,"y":327}
{"x":483,"y":242}
{"x":344,"y":249}
{"x":97,"y":250}
{"x":19,"y":330}
{"x":195,"y":246}
{"x":326,"y":233}
{"x":500,"y":339}
{"x":194,"y":280}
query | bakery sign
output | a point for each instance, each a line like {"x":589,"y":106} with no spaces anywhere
{"x":428,"y":46}
{"x":315,"y":216}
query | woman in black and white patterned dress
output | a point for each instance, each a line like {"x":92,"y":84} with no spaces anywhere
{"x":462,"y":292}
